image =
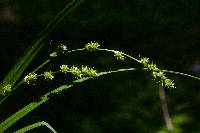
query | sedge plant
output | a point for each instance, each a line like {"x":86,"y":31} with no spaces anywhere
{"x":80,"y":73}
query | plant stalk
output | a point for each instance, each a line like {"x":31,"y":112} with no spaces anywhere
{"x":165,"y":109}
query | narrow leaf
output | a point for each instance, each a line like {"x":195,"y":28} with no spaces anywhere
{"x":23,"y":62}
{"x":30,"y":107}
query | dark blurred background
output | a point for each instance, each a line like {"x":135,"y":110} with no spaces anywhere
{"x":166,"y":31}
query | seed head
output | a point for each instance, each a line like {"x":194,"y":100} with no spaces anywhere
{"x":54,"y":54}
{"x":152,"y":67}
{"x":64,"y":68}
{"x":90,"y":72}
{"x":62,"y":48}
{"x":6,"y":89}
{"x":169,"y":83}
{"x":144,"y":61}
{"x":92,"y":46}
{"x":119,"y":55}
{"x":76,"y":72}
{"x":48,"y":75}
{"x":30,"y":78}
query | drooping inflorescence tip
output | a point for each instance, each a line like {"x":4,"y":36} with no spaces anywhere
{"x":157,"y":73}
{"x":92,"y":46}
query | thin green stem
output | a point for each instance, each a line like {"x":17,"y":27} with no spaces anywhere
{"x":108,"y":50}
{"x":36,"y":69}
{"x":166,"y":71}
{"x":75,"y":50}
{"x":40,"y":66}
{"x":176,"y":73}
{"x":181,"y":74}
{"x":48,"y":60}
{"x":131,"y":57}
{"x":118,"y":70}
{"x":35,"y":125}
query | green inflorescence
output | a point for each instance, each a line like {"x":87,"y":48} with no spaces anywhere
{"x":76,"y":72}
{"x":30,"y":78}
{"x":92,"y":46}
{"x":6,"y":89}
{"x":48,"y":75}
{"x":119,"y":55}
{"x":54,"y":54}
{"x":64,"y":68}
{"x":157,"y":73}
{"x":88,"y":72}
{"x":62,"y":49}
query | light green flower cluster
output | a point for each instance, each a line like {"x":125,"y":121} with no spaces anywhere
{"x":48,"y":75}
{"x":157,"y":73}
{"x":85,"y":71}
{"x":61,"y":49}
{"x":76,"y":72}
{"x":92,"y":46}
{"x":119,"y":55}
{"x":6,"y":89}
{"x":89,"y":72}
{"x":64,"y":68}
{"x":30,"y":78}
{"x":144,"y":61}
{"x":54,"y":54}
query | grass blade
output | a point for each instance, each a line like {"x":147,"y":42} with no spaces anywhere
{"x":30,"y":107}
{"x":23,"y":62}
{"x":35,"y":125}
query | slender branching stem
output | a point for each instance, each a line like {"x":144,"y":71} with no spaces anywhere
{"x":107,"y":50}
{"x":27,"y":109}
{"x":35,"y":70}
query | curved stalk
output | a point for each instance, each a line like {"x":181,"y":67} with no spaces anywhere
{"x":35,"y":125}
